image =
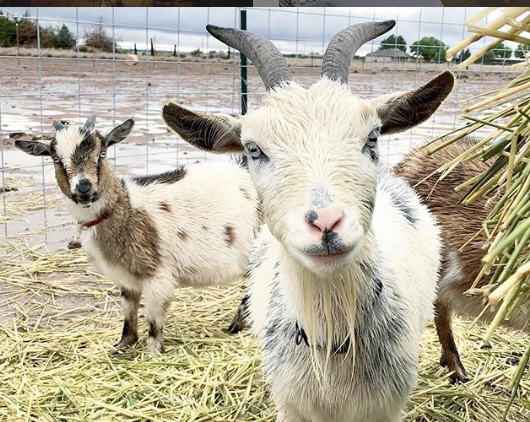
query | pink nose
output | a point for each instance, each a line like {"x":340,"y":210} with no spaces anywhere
{"x":325,"y":218}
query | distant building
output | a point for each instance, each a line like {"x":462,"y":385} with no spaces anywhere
{"x":390,"y":55}
{"x":503,"y":61}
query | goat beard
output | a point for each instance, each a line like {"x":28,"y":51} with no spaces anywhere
{"x":328,"y":312}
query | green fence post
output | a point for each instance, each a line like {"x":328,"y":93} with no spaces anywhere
{"x":243,"y":68}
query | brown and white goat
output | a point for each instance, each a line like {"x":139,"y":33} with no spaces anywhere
{"x":458,"y":224}
{"x":343,"y":275}
{"x":189,"y":227}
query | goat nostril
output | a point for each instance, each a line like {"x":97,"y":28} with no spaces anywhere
{"x":311,"y":216}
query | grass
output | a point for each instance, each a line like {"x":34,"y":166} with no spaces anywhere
{"x":59,"y":320}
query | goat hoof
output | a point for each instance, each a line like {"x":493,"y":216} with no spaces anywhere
{"x":457,"y":379}
{"x":158,"y":351}
{"x":155,"y":347}
{"x":459,"y":376}
{"x":74,"y":244}
{"x":234,"y":328}
{"x":126,"y":342}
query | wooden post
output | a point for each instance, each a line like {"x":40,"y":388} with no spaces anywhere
{"x":152,"y":49}
{"x":135,"y":51}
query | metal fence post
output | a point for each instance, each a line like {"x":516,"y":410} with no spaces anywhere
{"x":243,"y":68}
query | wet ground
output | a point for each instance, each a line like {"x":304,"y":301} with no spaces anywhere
{"x":36,"y":92}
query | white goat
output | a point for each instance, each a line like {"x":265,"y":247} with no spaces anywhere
{"x":189,"y":227}
{"x":343,"y":276}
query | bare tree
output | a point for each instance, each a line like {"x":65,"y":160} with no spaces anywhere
{"x":97,"y":37}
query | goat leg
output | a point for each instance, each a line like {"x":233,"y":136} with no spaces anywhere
{"x":239,"y":322}
{"x":450,"y":357}
{"x":158,"y":297}
{"x":130,"y":302}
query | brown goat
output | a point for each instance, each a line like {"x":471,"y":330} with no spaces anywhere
{"x":458,"y":223}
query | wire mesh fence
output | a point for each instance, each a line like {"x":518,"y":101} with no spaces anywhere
{"x":156,"y":55}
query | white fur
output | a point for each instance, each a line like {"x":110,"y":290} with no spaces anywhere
{"x":314,"y":138}
{"x":68,"y":140}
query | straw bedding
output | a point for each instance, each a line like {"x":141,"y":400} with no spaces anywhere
{"x":59,"y":320}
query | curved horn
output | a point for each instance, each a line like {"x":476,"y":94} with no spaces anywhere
{"x":342,"y":47}
{"x":58,"y":125}
{"x":270,"y":63}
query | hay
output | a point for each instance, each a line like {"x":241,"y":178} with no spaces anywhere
{"x":506,"y":183}
{"x":19,"y":203}
{"x":59,"y":320}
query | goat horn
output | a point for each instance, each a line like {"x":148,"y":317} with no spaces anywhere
{"x":342,"y":47}
{"x":58,"y":125}
{"x":270,"y":63}
{"x":90,"y":124}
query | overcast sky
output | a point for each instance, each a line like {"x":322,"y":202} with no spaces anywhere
{"x":312,"y":27}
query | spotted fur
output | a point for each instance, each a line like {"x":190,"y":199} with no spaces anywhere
{"x":154,"y":240}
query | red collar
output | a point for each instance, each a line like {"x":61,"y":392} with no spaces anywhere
{"x":98,"y":220}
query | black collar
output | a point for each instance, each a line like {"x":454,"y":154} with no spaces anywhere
{"x":337,"y":349}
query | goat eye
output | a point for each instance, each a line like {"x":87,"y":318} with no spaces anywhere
{"x":56,"y":159}
{"x":372,"y":138}
{"x":102,"y":154}
{"x":254,"y":151}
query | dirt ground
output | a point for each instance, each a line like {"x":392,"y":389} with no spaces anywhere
{"x":35,"y":92}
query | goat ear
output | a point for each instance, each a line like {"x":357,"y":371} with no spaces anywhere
{"x":34,"y":148}
{"x":119,"y":133}
{"x":402,"y":110}
{"x":215,"y":133}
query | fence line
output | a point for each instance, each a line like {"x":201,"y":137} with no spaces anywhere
{"x":108,"y":87}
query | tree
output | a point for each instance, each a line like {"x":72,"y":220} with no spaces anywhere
{"x":488,"y":57}
{"x":393,"y":42}
{"x":8,"y":31}
{"x":502,"y":51}
{"x":48,"y":37}
{"x":27,"y":30}
{"x":520,"y":51}
{"x":429,"y":48}
{"x":98,"y":38}
{"x":65,"y":39}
